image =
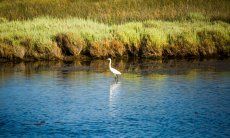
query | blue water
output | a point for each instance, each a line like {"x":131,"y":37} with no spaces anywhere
{"x":151,"y":99}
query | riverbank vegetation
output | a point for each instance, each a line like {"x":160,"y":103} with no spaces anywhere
{"x":69,"y":29}
{"x":52,"y":38}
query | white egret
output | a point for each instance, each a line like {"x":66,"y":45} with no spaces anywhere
{"x":113,"y":70}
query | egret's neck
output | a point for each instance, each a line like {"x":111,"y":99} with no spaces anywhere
{"x":110,"y":64}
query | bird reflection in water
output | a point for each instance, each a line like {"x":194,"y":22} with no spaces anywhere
{"x":114,"y":92}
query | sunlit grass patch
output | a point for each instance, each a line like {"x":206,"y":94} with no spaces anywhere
{"x":52,"y":38}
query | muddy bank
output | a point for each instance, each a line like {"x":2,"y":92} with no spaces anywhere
{"x":66,"y":48}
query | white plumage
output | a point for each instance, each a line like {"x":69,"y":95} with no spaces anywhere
{"x":113,"y":70}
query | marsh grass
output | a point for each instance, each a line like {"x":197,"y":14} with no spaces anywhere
{"x":117,"y":11}
{"x":52,"y":38}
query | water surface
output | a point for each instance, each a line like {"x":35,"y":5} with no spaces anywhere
{"x":152,"y":98}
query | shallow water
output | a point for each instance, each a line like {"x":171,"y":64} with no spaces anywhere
{"x":152,"y":98}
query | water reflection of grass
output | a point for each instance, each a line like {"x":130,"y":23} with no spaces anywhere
{"x":157,"y":70}
{"x":131,"y":76}
{"x":158,"y":77}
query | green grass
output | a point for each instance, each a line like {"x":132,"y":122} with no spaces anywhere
{"x":63,"y":29}
{"x":52,"y":38}
{"x":117,"y":11}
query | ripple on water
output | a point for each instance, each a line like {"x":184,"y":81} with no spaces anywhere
{"x":152,"y":99}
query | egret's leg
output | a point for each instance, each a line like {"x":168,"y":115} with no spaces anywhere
{"x":115,"y":76}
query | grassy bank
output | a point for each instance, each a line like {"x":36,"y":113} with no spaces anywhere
{"x":49,"y":39}
{"x":115,"y":11}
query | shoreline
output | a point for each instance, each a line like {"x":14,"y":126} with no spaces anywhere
{"x":85,"y":58}
{"x":9,"y":58}
{"x":123,"y":59}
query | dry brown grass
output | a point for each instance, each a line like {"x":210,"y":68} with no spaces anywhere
{"x":115,"y":11}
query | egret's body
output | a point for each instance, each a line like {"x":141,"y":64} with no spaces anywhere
{"x":113,"y":70}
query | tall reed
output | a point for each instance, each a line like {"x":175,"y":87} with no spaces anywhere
{"x":115,"y":11}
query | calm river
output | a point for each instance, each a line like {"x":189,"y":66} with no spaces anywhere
{"x":151,"y":99}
